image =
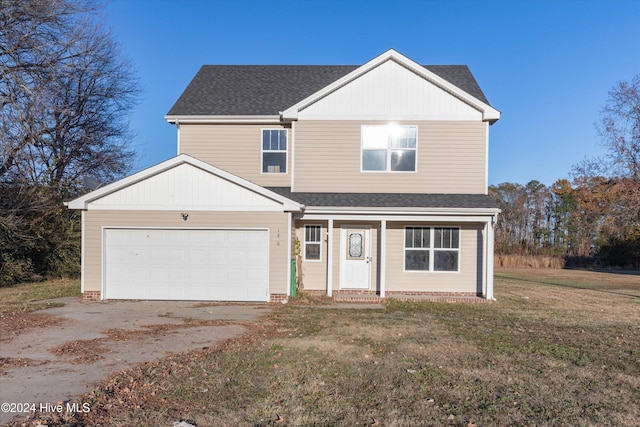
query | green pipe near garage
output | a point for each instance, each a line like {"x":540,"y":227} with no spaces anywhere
{"x":293,"y":289}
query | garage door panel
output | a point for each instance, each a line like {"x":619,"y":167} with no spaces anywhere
{"x":224,"y":265}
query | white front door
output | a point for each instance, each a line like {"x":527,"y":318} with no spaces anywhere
{"x":355,"y":258}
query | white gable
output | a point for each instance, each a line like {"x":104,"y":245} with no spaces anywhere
{"x":183,"y":183}
{"x":185,"y":187}
{"x":390,"y":92}
{"x":391,"y":87}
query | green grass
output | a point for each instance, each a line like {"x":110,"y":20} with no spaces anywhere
{"x":543,"y":355}
{"x":22,"y":298}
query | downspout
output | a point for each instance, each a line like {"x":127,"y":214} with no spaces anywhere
{"x":83,"y":246}
{"x":486,"y":160}
{"x":290,"y":266}
{"x":490,"y":255}
{"x":293,"y":155}
{"x":383,"y":258}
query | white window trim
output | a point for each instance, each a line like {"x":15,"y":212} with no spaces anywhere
{"x":432,"y":249}
{"x":319,"y":242}
{"x":262,"y":151}
{"x":389,"y":149}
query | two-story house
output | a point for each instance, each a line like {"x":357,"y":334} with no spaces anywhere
{"x":372,"y":177}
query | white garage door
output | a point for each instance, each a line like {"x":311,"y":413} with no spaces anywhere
{"x":209,"y":265}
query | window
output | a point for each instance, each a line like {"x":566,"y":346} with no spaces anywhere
{"x":431,"y":249}
{"x":389,"y":148}
{"x":274,"y":150}
{"x":312,"y":242}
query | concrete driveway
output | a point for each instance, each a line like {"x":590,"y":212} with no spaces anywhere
{"x":92,"y":340}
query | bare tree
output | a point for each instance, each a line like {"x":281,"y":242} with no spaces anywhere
{"x":619,"y":128}
{"x":65,"y":93}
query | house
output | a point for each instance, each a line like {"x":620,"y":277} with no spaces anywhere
{"x":373,"y":177}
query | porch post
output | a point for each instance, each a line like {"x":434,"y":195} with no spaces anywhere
{"x":490,"y":249}
{"x":329,"y":257}
{"x":383,"y":256}
{"x":289,"y":253}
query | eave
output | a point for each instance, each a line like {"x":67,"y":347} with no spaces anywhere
{"x":402,"y":214}
{"x":270,"y":119}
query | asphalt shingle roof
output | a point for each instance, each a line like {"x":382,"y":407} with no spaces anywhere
{"x":388,"y":200}
{"x":221,"y":90}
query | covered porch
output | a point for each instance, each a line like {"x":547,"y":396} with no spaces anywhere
{"x":371,"y":256}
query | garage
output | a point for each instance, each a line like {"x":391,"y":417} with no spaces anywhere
{"x":186,"y":264}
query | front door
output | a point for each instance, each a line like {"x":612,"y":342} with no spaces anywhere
{"x":355,"y":258}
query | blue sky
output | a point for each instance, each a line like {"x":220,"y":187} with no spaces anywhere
{"x":546,"y":65}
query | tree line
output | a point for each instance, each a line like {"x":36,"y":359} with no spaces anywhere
{"x":594,"y":215}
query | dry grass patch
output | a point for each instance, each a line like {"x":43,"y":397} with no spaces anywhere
{"x":18,"y":302}
{"x":23,"y":298}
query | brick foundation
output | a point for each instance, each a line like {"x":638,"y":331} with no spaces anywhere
{"x":279,"y":298}
{"x":370,"y":296}
{"x":91,"y":295}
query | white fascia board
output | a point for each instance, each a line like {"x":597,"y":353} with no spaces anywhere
{"x":400,"y":211}
{"x":451,"y":219}
{"x":395,"y":214}
{"x":82,"y":202}
{"x":223,"y":119}
{"x":198,"y":208}
{"x":489,"y":113}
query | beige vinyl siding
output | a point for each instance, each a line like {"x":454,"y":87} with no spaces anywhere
{"x":468,"y":279}
{"x":314,"y":273}
{"x":451,"y":158}
{"x":235,"y":148}
{"x":277,"y":223}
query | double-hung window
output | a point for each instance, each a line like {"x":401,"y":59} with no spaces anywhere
{"x":389,"y":148}
{"x":312,"y":242}
{"x":431,"y":249}
{"x":274,"y":150}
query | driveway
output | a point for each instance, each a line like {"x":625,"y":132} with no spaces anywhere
{"x":89,"y":341}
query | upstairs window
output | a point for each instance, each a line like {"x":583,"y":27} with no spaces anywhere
{"x":274,"y":151}
{"x":431,"y":249}
{"x":312,"y":242}
{"x":389,"y":148}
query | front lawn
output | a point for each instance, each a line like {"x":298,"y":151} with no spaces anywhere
{"x":556,"y":349}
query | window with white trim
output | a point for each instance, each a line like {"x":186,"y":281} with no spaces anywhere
{"x":312,"y":242}
{"x":274,"y":150}
{"x":431,"y":249}
{"x":389,"y":148}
